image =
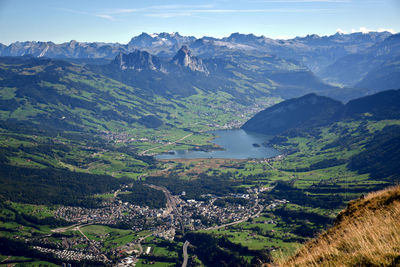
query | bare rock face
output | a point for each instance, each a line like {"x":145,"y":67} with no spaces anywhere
{"x":185,"y":59}
{"x":139,"y":61}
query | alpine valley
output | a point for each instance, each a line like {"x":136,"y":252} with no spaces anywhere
{"x":81,"y":123}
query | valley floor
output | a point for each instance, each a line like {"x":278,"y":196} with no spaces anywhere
{"x":253,"y":210}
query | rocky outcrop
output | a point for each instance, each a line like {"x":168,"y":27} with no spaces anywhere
{"x":139,"y":61}
{"x":185,"y":59}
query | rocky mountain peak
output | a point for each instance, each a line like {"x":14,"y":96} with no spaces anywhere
{"x":139,"y":61}
{"x":73,"y":44}
{"x":169,"y":35}
{"x":184,"y":58}
{"x":242,"y":38}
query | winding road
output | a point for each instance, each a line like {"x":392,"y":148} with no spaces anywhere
{"x":140,"y":245}
{"x":185,"y":254}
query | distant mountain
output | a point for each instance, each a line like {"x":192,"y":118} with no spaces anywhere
{"x":384,"y":77}
{"x":307,"y":111}
{"x":139,"y":61}
{"x":350,"y":70}
{"x":162,"y":44}
{"x":176,"y":77}
{"x":315,"y":52}
{"x":312,"y":111}
{"x":236,"y":64}
{"x":244,"y":77}
{"x":185,"y":59}
{"x":72,"y":49}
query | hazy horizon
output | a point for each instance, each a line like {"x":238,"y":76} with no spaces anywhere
{"x":101,"y":41}
{"x":62,"y":21}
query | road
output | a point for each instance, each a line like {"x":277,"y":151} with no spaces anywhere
{"x":117,"y":192}
{"x":140,"y":245}
{"x":185,"y":254}
{"x":9,"y":257}
{"x":171,"y":203}
{"x":167,"y":144}
{"x":75,"y":227}
{"x":64,"y":229}
{"x":78,"y":228}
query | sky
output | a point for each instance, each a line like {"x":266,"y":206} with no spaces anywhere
{"x":119,"y":20}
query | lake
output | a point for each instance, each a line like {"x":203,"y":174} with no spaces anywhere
{"x":237,"y":144}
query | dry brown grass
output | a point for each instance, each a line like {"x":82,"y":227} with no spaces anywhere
{"x":367,"y":233}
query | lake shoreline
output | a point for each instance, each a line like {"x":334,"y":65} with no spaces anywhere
{"x":232,"y":144}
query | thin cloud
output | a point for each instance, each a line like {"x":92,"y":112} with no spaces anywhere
{"x":284,"y":10}
{"x":104,"y":16}
{"x":181,"y":6}
{"x":168,"y":15}
{"x":101,"y":15}
{"x":193,"y":12}
{"x":155,"y":8}
{"x":367,"y":30}
{"x":121,"y":11}
{"x":171,"y":11}
{"x":150,"y":11}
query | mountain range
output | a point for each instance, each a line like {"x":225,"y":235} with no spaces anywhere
{"x":236,"y":72}
{"x":360,"y":69}
{"x":338,"y":59}
{"x":244,"y":77}
{"x":316,"y":52}
{"x":143,"y":90}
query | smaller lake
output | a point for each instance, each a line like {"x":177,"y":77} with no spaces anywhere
{"x":237,"y":144}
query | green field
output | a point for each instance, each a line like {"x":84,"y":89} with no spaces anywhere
{"x":110,"y":237}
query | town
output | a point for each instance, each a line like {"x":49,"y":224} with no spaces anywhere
{"x":178,"y":216}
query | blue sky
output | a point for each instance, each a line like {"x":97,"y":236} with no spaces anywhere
{"x":118,"y":21}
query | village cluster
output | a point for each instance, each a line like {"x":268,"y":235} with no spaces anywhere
{"x":179,"y":215}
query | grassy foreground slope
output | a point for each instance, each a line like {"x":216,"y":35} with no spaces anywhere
{"x":366,"y":233}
